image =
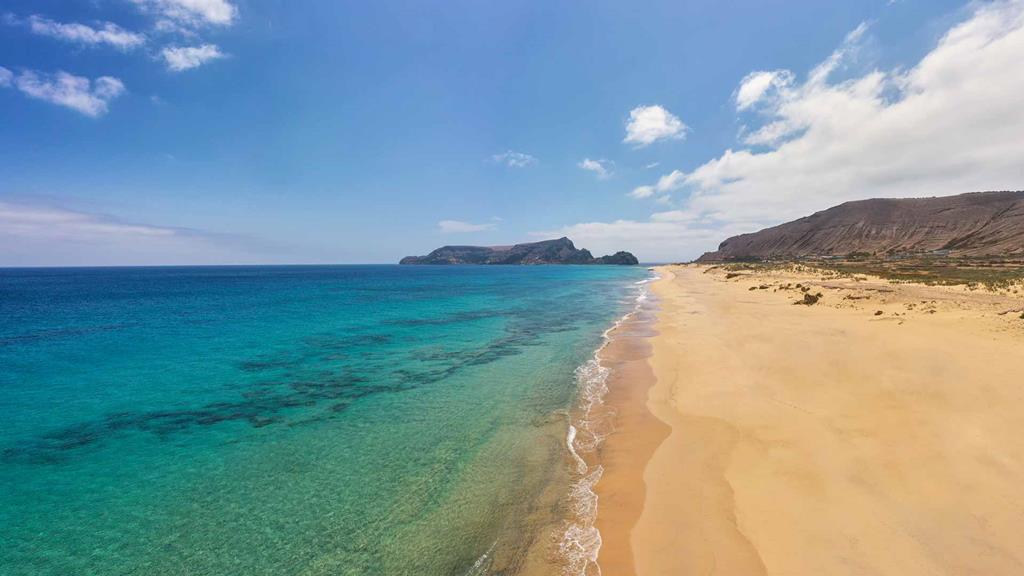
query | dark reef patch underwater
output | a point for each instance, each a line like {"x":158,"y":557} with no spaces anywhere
{"x":282,"y":420}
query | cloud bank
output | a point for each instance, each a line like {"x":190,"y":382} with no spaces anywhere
{"x":951,"y":123}
{"x":457,"y":226}
{"x":34,"y":235}
{"x":57,"y":223}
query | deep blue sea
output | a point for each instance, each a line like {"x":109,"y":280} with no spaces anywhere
{"x":294,"y":420}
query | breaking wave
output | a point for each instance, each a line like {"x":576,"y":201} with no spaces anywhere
{"x":581,"y":540}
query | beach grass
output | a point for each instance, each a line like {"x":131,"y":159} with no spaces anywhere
{"x":988,"y":273}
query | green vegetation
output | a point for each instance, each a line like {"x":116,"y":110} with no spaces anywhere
{"x":989,"y":273}
{"x":974,"y":273}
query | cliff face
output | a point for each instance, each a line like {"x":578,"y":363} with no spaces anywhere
{"x":976,"y":224}
{"x":561,"y":251}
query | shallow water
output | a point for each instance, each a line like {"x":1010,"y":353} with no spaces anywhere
{"x":290,"y":420}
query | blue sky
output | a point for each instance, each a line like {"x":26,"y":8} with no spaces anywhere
{"x":250,"y":131}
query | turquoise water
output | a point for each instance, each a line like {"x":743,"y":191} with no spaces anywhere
{"x":291,"y":420}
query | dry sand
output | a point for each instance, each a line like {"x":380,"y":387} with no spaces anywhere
{"x":819,"y":440}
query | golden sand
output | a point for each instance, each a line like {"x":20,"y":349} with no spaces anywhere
{"x":879,"y":431}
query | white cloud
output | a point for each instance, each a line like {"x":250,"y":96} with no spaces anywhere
{"x":642,"y":192}
{"x":846,"y":52}
{"x":456,"y":226}
{"x":648,"y":124}
{"x":514,"y":159}
{"x":757,"y":85}
{"x":675,"y":216}
{"x":190,"y":13}
{"x":671,"y":181}
{"x":667,"y":183}
{"x":947,"y":125}
{"x":179,"y":58}
{"x":650,"y":241}
{"x":106,"y":32}
{"x":88,"y":97}
{"x":40,"y":235}
{"x":602,"y":168}
{"x":771,"y":133}
{"x":60,"y":224}
{"x":652,"y":165}
{"x":950,"y":123}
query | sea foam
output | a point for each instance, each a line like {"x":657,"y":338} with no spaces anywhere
{"x":581,"y":541}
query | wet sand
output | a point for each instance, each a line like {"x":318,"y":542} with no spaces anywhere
{"x":879,"y":431}
{"x":625,"y":452}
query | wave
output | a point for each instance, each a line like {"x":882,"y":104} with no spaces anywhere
{"x":482,"y":564}
{"x":570,"y":437}
{"x":581,"y":540}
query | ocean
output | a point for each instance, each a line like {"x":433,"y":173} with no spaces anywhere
{"x":298,"y":420}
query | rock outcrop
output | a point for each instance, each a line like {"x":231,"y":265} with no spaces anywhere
{"x":560,"y":251}
{"x":975,"y":224}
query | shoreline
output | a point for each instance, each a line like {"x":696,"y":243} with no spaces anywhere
{"x":636,"y":434}
{"x":876,"y":431}
{"x":591,"y":423}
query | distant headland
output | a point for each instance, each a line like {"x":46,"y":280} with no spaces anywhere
{"x":560,"y":251}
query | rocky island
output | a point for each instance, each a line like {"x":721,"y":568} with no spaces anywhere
{"x":560,"y":251}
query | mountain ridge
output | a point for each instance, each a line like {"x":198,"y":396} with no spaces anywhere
{"x":971,"y":224}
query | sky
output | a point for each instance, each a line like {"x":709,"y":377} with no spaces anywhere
{"x":137,"y":132}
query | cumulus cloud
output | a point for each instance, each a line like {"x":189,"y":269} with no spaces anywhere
{"x":642,"y":192}
{"x":758,"y":84}
{"x":649,"y":124}
{"x":514,"y":159}
{"x":667,"y":183}
{"x":671,"y":181}
{"x":179,"y":58}
{"x":949,"y":123}
{"x":104,"y":33}
{"x":602,"y":168}
{"x":190,"y":13}
{"x":88,"y":97}
{"x":457,"y":226}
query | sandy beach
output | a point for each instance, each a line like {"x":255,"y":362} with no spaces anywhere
{"x":877,"y":431}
